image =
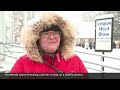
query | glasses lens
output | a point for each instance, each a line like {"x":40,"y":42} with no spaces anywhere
{"x":56,"y":34}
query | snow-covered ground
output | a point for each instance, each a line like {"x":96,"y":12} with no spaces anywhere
{"x":15,"y":52}
{"x":112,"y":65}
{"x":112,"y":61}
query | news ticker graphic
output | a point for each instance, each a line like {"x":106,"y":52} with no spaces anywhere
{"x":43,"y":74}
{"x":40,"y":75}
{"x":59,"y":76}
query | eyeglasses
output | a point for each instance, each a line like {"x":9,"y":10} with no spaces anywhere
{"x":56,"y":34}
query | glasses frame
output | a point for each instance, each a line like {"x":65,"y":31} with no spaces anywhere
{"x":47,"y":34}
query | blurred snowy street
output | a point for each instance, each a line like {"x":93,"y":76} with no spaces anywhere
{"x":112,"y":63}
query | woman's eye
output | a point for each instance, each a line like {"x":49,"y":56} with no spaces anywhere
{"x":46,"y":34}
{"x":56,"y":33}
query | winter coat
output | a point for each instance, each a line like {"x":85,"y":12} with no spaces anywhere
{"x":66,"y":60}
{"x":25,"y":65}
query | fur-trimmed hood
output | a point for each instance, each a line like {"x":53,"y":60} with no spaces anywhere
{"x":30,"y":35}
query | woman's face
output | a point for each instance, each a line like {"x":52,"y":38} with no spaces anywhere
{"x":50,"y":41}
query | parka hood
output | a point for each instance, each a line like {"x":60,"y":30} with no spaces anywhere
{"x":30,"y":35}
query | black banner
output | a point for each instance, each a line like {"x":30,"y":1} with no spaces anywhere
{"x":59,"y":76}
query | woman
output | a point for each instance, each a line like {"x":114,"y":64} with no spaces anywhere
{"x":49,"y":43}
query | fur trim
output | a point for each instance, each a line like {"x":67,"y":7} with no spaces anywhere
{"x":30,"y":35}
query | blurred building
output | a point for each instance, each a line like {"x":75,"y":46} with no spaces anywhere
{"x":85,"y":33}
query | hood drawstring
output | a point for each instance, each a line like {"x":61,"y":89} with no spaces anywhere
{"x":51,"y":65}
{"x":56,"y":69}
